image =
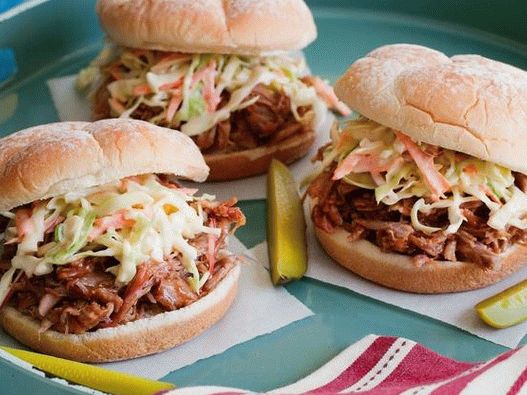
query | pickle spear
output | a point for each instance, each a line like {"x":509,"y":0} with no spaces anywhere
{"x":505,"y":309}
{"x":286,"y":227}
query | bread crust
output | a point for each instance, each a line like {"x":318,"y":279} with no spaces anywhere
{"x":466,"y":103}
{"x":53,"y":159}
{"x":242,"y":164}
{"x":134,"y":339}
{"x":247,"y":27}
{"x":399,"y":272}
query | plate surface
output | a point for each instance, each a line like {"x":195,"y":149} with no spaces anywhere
{"x":59,"y":37}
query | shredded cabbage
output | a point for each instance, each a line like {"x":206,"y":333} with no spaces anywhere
{"x":206,"y":121}
{"x":135,"y":220}
{"x":5,"y":283}
{"x":29,"y":244}
{"x":421,"y":206}
{"x":76,"y":229}
{"x":512,"y":212}
{"x":90,"y":75}
{"x":153,"y":79}
{"x":380,"y":155}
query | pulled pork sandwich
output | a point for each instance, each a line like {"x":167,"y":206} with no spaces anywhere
{"x":106,"y":257}
{"x":216,"y":70}
{"x":427,"y":190}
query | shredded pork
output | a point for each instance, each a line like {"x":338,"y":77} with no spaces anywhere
{"x":268,"y":121}
{"x":389,"y":227}
{"x":82,"y":296}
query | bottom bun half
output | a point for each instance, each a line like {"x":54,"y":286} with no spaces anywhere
{"x":247,"y":163}
{"x":134,"y":339}
{"x":399,"y":272}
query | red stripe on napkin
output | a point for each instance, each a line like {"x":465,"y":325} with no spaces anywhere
{"x":421,"y":365}
{"x":378,"y":367}
{"x":455,"y":386}
{"x":359,"y":368}
{"x":518,"y":384}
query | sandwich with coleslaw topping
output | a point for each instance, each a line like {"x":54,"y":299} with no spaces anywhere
{"x":426,"y":191}
{"x":105,"y":256}
{"x":219,"y":71}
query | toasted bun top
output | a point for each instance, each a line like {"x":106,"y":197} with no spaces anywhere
{"x":466,"y":103}
{"x":248,"y":27}
{"x":53,"y":159}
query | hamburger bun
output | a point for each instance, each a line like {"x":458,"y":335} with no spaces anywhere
{"x":399,"y":272}
{"x":465,"y":103}
{"x":245,"y":27}
{"x":49,"y":160}
{"x":134,"y":339}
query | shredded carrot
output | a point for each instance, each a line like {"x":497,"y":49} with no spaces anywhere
{"x":342,"y":108}
{"x":435,"y":181}
{"x":489,"y":192}
{"x":208,"y":76}
{"x":173,"y":105}
{"x":23,"y":222}
{"x":115,"y":221}
{"x":361,"y":163}
{"x":327,"y":94}
{"x":171,"y":85}
{"x":50,"y":225}
{"x":201,"y":74}
{"x":211,"y":96}
{"x":470,"y":169}
{"x":377,"y":177}
{"x":23,"y":225}
{"x":198,"y":76}
{"x":116,"y":105}
{"x":143,"y":89}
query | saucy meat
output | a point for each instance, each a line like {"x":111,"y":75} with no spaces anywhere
{"x":83,"y":296}
{"x":389,"y":227}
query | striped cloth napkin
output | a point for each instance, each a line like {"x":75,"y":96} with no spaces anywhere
{"x":390,"y":365}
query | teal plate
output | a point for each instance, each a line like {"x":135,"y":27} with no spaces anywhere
{"x":58,"y":37}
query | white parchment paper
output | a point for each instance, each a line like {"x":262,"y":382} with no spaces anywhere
{"x":456,"y":309}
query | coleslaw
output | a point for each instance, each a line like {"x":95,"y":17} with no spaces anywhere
{"x":371,"y":156}
{"x":134,"y":220}
{"x":184,"y":91}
